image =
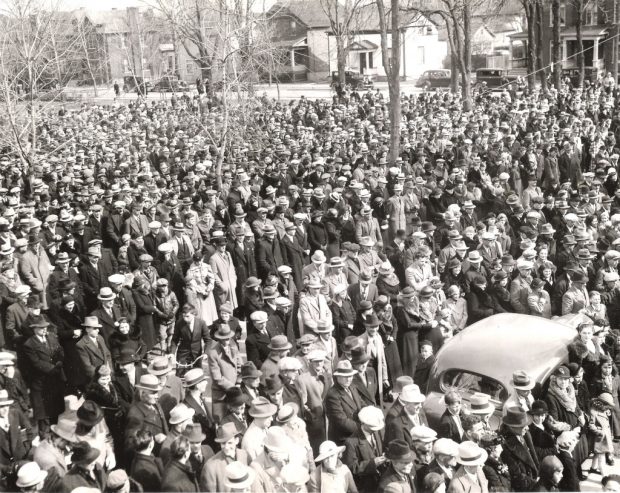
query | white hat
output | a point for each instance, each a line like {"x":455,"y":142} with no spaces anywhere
{"x":180,"y":413}
{"x":372,"y":417}
{"x":445,"y":446}
{"x":411,"y":394}
{"x":423,"y":433}
{"x":22,"y":290}
{"x":238,"y":476}
{"x":327,"y":449}
{"x":470,"y":454}
{"x":289,"y":363}
{"x":339,"y":288}
{"x":30,"y":474}
{"x":316,"y":355}
{"x":116,"y":279}
{"x":610,"y":276}
{"x":259,"y":316}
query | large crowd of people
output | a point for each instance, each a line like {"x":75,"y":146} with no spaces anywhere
{"x":266,"y":320}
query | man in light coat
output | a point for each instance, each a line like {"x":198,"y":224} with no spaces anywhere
{"x":34,"y":269}
{"x":395,"y":211}
{"x":225,"y":276}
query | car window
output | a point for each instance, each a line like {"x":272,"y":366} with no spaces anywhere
{"x":468,"y":383}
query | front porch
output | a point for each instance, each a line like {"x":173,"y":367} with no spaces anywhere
{"x":593,"y":49}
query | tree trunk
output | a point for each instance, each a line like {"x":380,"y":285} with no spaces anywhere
{"x":466,"y":74}
{"x":540,"y":68}
{"x":578,"y":25}
{"x":341,"y":60}
{"x":531,"y":44}
{"x":454,"y":74}
{"x":555,"y":54}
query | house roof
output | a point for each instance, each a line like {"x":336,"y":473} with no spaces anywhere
{"x":363,"y":45}
{"x":309,"y":12}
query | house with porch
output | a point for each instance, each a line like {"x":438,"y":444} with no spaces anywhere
{"x":597,"y":31}
{"x":302,"y":30}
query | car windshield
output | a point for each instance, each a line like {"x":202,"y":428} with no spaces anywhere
{"x":468,"y":383}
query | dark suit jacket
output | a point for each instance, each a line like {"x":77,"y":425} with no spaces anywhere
{"x":341,"y":410}
{"x":293,"y":255}
{"x":148,"y":471}
{"x":543,"y":440}
{"x":256,"y":347}
{"x":92,"y":355}
{"x":201,"y":415}
{"x":359,"y":456}
{"x":356,"y":296}
{"x":14,"y":445}
{"x":400,"y":427}
{"x":189,"y":344}
{"x":41,"y":361}
{"x":367,"y":392}
{"x":448,"y":428}
{"x":114,"y":229}
{"x":522,"y":462}
{"x":108,"y":322}
{"x":244,"y":261}
{"x":139,"y":225}
{"x":140,"y":415}
{"x":427,"y":469}
{"x":268,"y":257}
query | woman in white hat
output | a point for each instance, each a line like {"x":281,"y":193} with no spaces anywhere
{"x":199,"y":289}
{"x":469,"y":477}
{"x":331,"y":475}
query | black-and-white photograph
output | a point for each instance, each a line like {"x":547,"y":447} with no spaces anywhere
{"x":309,"y":246}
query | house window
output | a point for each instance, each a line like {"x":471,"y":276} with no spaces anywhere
{"x":293,"y":25}
{"x":562,"y":15}
{"x":421,"y":57}
{"x":125,"y":65}
{"x":590,"y":17}
{"x":429,"y":31}
{"x":190,"y":67}
{"x":300,"y":56}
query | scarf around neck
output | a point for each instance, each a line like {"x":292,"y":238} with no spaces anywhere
{"x":566,"y":397}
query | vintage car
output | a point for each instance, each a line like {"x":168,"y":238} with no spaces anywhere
{"x":483,"y":357}
{"x":354,"y":79}
{"x":169,"y":84}
{"x":434,"y":78}
{"x":494,"y":77}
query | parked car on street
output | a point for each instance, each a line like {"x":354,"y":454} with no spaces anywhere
{"x":354,"y":79}
{"x":434,"y":78}
{"x":494,"y":77}
{"x":170,"y":84}
{"x":483,"y":357}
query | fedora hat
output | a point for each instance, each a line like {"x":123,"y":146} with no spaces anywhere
{"x":522,"y":381}
{"x":480,"y":403}
{"x":234,"y":397}
{"x":372,"y":321}
{"x":408,"y":292}
{"x":262,"y":408}
{"x":30,"y":475}
{"x":90,"y":413}
{"x":398,"y":450}
{"x":194,"y":432}
{"x":474,"y":257}
{"x":446,"y":446}
{"x":226,"y":432}
{"x":344,"y":369}
{"x":359,"y":356}
{"x":239,"y":477}
{"x":149,"y":382}
{"x":160,"y":366}
{"x":223,"y":332}
{"x":279,"y":343}
{"x":327,"y":449}
{"x":336,"y":262}
{"x":249,"y":370}
{"x":323,"y":327}
{"x":106,"y":294}
{"x":276,"y":440}
{"x":318,"y":257}
{"x":515,"y":416}
{"x":470,"y":454}
{"x":180,"y":413}
{"x":411,"y":394}
{"x":194,"y":377}
{"x":83,"y":453}
{"x":366,"y":241}
{"x":4,"y":398}
{"x":295,"y":474}
{"x":92,"y":322}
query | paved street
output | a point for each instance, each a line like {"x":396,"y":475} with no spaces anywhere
{"x":287,"y":92}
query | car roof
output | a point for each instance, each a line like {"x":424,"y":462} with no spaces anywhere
{"x":503,"y":343}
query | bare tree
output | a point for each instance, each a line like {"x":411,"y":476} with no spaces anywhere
{"x":35,"y":55}
{"x":344,"y":20}
{"x":555,"y":52}
{"x":389,"y":25}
